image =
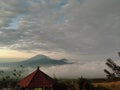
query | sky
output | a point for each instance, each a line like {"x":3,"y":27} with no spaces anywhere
{"x":83,"y":31}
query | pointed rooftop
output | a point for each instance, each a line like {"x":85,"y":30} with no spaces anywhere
{"x":36,"y":79}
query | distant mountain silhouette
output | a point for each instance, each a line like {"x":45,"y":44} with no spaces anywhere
{"x":38,"y":60}
{"x":42,"y":60}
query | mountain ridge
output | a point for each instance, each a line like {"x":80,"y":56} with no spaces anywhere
{"x":38,"y":60}
{"x":43,"y":60}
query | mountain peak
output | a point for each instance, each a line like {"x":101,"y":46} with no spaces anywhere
{"x":39,"y":56}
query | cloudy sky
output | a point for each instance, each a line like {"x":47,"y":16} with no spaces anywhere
{"x":83,"y":31}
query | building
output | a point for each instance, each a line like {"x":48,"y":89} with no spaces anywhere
{"x":37,"y":80}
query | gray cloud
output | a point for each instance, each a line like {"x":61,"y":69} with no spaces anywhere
{"x":90,"y":27}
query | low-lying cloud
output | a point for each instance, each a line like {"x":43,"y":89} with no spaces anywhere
{"x":87,"y":70}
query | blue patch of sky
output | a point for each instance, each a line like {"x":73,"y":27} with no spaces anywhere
{"x":47,"y":1}
{"x":59,"y":5}
{"x":61,"y":19}
{"x":81,"y":1}
{"x":14,"y":22}
{"x":26,"y":3}
{"x":56,"y":9}
{"x":37,"y":1}
{"x":63,"y":3}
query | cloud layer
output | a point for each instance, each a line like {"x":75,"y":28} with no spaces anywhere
{"x":87,"y":27}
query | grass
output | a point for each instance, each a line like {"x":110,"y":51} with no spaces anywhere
{"x":115,"y":85}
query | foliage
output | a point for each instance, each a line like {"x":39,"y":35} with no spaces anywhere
{"x":17,"y":73}
{"x":11,"y":79}
{"x":77,"y":84}
{"x":59,"y":85}
{"x":114,"y":67}
{"x":85,"y":84}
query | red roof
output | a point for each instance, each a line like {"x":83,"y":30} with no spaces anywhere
{"x":36,"y":79}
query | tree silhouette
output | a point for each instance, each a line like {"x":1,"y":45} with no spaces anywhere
{"x":114,"y":67}
{"x":84,"y":84}
{"x":9,"y":80}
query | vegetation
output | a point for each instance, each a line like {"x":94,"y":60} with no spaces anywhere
{"x":77,"y":84}
{"x":85,"y":84}
{"x":115,"y":74}
{"x":109,"y":85}
{"x":113,"y":77}
{"x":9,"y":80}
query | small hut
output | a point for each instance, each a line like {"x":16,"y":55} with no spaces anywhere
{"x":37,"y":80}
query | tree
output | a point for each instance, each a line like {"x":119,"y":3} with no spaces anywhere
{"x":59,"y":85}
{"x":85,"y":84}
{"x":17,"y":73}
{"x":114,"y":67}
{"x":9,"y":80}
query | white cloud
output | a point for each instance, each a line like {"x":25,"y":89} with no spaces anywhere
{"x":87,"y":70}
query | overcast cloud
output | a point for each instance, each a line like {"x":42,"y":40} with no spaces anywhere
{"x":87,"y":28}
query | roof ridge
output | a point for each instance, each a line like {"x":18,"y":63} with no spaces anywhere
{"x":45,"y":74}
{"x":33,"y":75}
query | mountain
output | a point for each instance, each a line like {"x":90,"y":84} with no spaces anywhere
{"x":42,"y":60}
{"x":38,"y":60}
